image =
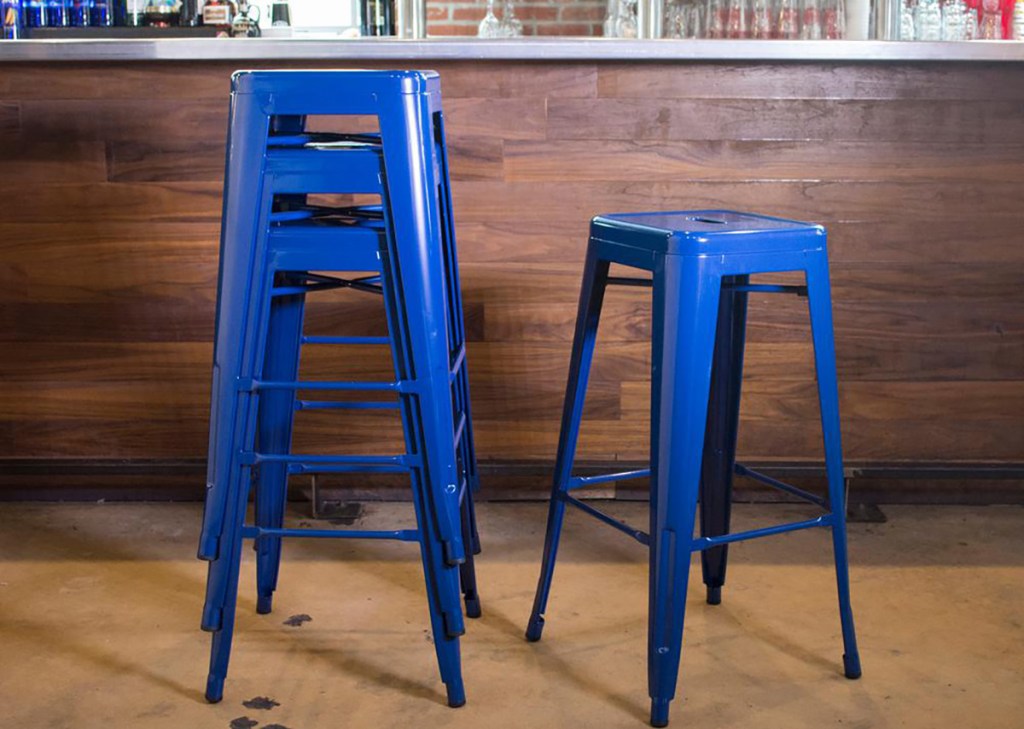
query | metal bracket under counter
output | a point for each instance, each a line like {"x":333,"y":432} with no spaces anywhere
{"x":524,"y":49}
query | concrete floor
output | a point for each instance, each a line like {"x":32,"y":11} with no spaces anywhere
{"x":99,"y":612}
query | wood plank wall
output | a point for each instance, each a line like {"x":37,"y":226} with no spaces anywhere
{"x":110,"y":190}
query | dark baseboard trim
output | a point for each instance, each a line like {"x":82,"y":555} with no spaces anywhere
{"x":57,"y":479}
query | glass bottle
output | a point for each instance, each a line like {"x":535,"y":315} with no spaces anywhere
{"x":57,"y":13}
{"x":12,"y":19}
{"x":32,"y":13}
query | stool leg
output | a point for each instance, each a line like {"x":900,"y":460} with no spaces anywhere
{"x":442,"y":585}
{"x":686,"y":298}
{"x":720,"y":438}
{"x":224,"y":571}
{"x":820,"y":304}
{"x":274,"y":436}
{"x":467,"y":570}
{"x":595,"y":276}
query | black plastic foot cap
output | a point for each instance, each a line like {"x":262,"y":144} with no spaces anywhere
{"x":473,"y":609}
{"x":714,"y":595}
{"x":659,"y":712}
{"x":851,"y":666}
{"x":534,"y":629}
{"x":456,"y":698}
{"x":264,"y":604}
{"x":214,"y":690}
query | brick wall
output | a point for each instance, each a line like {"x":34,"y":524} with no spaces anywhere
{"x":539,"y":17}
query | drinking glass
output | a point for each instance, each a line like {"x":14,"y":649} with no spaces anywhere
{"x":907,"y":9}
{"x":610,"y":18}
{"x":788,"y":25}
{"x":928,"y":21}
{"x":490,"y":26}
{"x":695,"y":20}
{"x":675,"y":20}
{"x":511,"y":26}
{"x":833,"y":20}
{"x":736,"y":19}
{"x":991,"y":25}
{"x":954,"y":20}
{"x":761,"y":20}
{"x":625,"y":22}
{"x":810,"y":20}
{"x":717,"y":18}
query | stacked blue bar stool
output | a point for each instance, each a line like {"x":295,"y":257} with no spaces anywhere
{"x":701,"y":263}
{"x":279,"y":245}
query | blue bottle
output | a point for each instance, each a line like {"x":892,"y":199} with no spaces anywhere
{"x":80,"y":12}
{"x":56,"y":13}
{"x":101,"y":13}
{"x":32,"y":13}
{"x":12,"y":19}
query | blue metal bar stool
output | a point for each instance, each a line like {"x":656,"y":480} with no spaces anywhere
{"x":701,"y":262}
{"x":277,"y":247}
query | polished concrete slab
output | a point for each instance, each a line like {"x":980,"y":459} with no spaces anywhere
{"x":100,"y":603}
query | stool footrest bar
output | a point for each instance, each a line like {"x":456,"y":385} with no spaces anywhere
{"x":460,"y":428}
{"x":767,"y":288}
{"x":311,"y":468}
{"x":253,"y":385}
{"x":742,"y":470}
{"x":314,"y":339}
{"x":629,"y":281}
{"x":702,"y":543}
{"x":453,"y":371}
{"x":578,"y":482}
{"x":638,"y":535}
{"x":402,"y":535}
{"x":346,"y":405}
{"x":401,"y":462}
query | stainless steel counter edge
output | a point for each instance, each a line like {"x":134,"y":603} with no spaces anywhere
{"x":531,"y":49}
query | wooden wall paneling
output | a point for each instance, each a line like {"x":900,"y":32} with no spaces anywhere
{"x":744,"y":160}
{"x":666,"y":120}
{"x":111,"y":192}
{"x":837,"y":82}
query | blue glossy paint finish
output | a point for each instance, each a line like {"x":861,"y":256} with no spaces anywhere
{"x":700,"y":263}
{"x":275,"y":248}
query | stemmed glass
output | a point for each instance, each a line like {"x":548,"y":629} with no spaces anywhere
{"x":490,"y":26}
{"x":511,"y":26}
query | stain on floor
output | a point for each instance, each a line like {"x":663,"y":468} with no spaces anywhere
{"x":260,"y":702}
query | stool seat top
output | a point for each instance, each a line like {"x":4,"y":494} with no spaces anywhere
{"x":331,"y":81}
{"x":703,"y":232}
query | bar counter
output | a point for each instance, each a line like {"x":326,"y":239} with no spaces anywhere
{"x":912,"y":154}
{"x":531,"y":49}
